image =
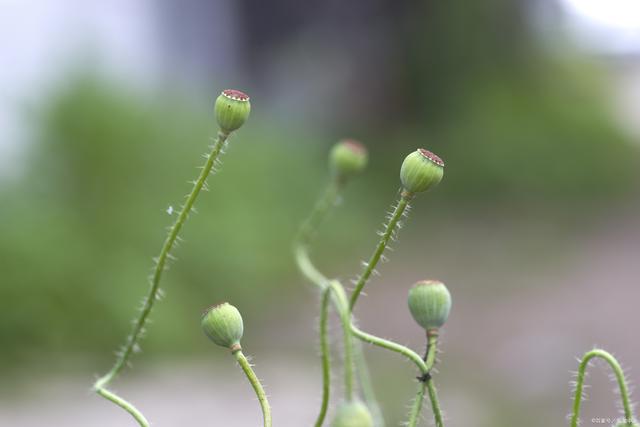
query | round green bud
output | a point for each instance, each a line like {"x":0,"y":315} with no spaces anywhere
{"x":223,"y":325}
{"x":352,"y":414}
{"x":421,"y":170}
{"x":232,"y":109}
{"x":430,"y":303}
{"x":348,"y":157}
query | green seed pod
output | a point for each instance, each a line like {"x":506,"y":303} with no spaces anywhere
{"x":348,"y":157}
{"x":232,"y":109}
{"x":421,"y":170}
{"x":352,"y":414}
{"x":430,"y":304}
{"x":223,"y":325}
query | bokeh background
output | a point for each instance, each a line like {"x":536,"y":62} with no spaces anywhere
{"x":106,"y":107}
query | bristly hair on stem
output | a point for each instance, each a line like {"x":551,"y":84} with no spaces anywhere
{"x":390,"y":227}
{"x":257,"y":386}
{"x":627,"y":408}
{"x":132,"y":344}
{"x":322,"y":208}
{"x":326,"y":357}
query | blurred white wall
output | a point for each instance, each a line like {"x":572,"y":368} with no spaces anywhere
{"x":141,"y":43}
{"x":40,"y":40}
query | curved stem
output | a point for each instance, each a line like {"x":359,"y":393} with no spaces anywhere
{"x":389,"y":228}
{"x":326,"y":361}
{"x":308,"y":269}
{"x":306,"y":233}
{"x":137,"y":415}
{"x":304,"y":237}
{"x":390,"y":345}
{"x":132,"y":345}
{"x":257,"y":386}
{"x":622,"y":384}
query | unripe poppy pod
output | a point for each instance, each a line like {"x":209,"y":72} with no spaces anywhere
{"x":222,"y":323}
{"x":430,"y":303}
{"x":421,"y":170}
{"x":232,"y":109}
{"x":352,"y":414}
{"x":348,"y":157}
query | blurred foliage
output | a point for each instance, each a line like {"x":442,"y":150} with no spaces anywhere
{"x":517,"y":141}
{"x":79,"y":231}
{"x":517,"y":121}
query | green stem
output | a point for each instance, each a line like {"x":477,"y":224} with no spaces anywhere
{"x":435,"y":404}
{"x":416,"y":408}
{"x":345,"y":320}
{"x":366,"y":387}
{"x":308,"y":269}
{"x":430,"y":359}
{"x":137,"y":415}
{"x":326,"y":361}
{"x":131,"y":345}
{"x":390,"y":345}
{"x":390,"y":228}
{"x":307,"y":230}
{"x":622,"y":384}
{"x":303,"y":239}
{"x":257,"y":387}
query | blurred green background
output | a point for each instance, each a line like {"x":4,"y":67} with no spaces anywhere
{"x":534,"y":227}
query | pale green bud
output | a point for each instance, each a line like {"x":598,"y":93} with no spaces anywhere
{"x":430,"y":303}
{"x":421,"y":170}
{"x":223,"y":325}
{"x":232,"y":109}
{"x":352,"y":414}
{"x":348,"y":157}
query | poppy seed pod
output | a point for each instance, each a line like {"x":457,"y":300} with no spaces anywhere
{"x":430,"y":303}
{"x":352,"y":414}
{"x":348,"y":157}
{"x":232,"y":109}
{"x":223,"y":325}
{"x":421,"y":170}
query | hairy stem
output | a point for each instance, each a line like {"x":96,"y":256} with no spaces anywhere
{"x":137,"y":415}
{"x":257,"y":386}
{"x":326,"y":361}
{"x":430,"y":358}
{"x":132,"y":345}
{"x":389,"y":229}
{"x":303,"y":239}
{"x":390,"y":345}
{"x":345,"y":320}
{"x":435,"y":404}
{"x":622,"y":384}
{"x":416,"y":408}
